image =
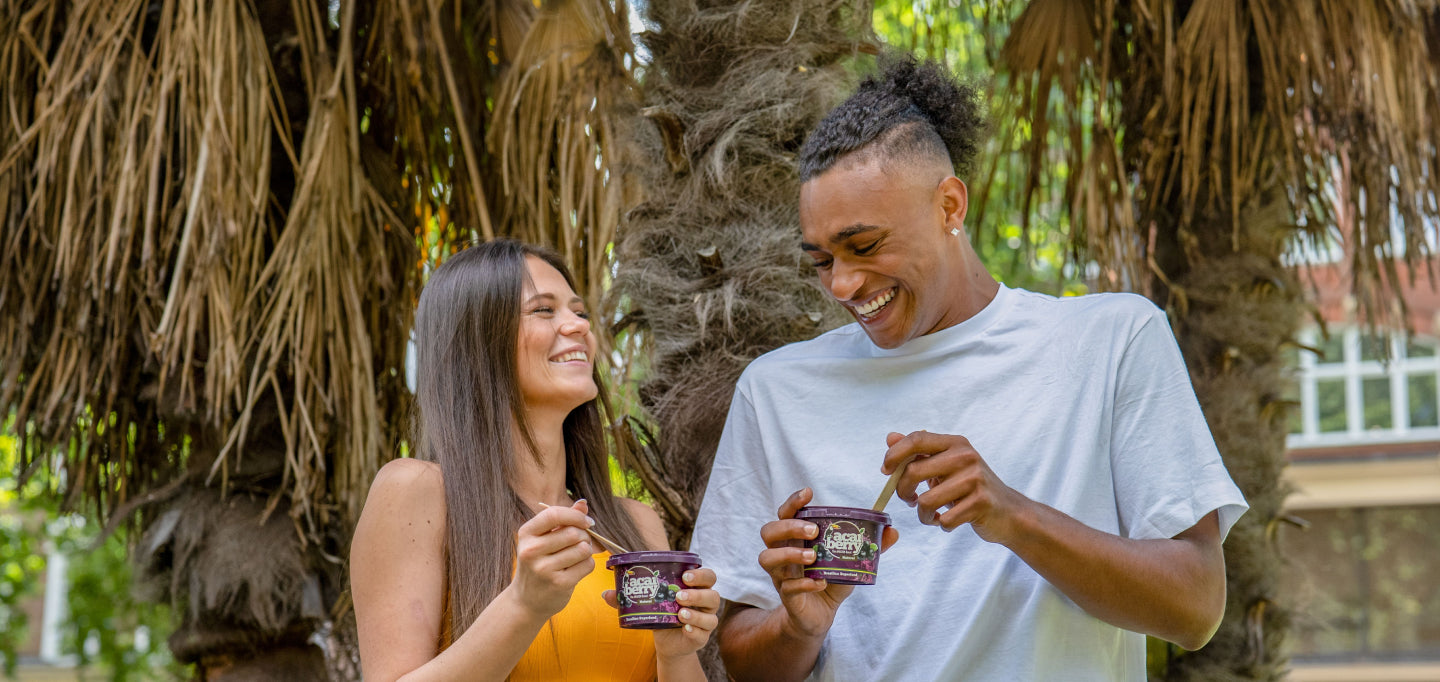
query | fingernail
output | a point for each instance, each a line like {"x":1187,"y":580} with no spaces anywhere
{"x":689,"y":628}
{"x":684,"y":614}
{"x":590,"y":520}
{"x":682,"y":595}
{"x":688,"y":577}
{"x":809,"y":555}
{"x":580,"y":500}
{"x":811,"y":530}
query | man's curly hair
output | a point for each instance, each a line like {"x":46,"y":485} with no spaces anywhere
{"x":908,"y":109}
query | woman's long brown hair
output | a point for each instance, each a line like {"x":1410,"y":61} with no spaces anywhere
{"x":467,"y":397}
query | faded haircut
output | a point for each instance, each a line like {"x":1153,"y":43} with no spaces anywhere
{"x":909,"y":110}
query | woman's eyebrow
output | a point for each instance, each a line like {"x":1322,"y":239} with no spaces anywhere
{"x":552,"y":297}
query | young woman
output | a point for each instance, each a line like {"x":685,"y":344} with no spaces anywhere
{"x":471,"y":562}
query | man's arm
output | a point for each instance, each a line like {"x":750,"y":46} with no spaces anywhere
{"x":756,"y":645}
{"x":1171,"y":588}
{"x":783,"y":643}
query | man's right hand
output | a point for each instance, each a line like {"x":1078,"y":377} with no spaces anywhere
{"x":808,"y":605}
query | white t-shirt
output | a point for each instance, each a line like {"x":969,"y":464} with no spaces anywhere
{"x":1081,"y":403}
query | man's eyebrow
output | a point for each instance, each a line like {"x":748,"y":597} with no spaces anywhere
{"x":842,"y":235}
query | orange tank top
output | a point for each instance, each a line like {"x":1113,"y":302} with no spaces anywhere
{"x":584,"y":642}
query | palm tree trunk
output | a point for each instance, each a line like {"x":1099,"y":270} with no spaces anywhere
{"x":710,"y":275}
{"x":1214,"y":254}
{"x":1233,"y":312}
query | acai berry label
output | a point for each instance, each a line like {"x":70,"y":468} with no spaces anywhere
{"x":847,"y":546}
{"x":646,"y":586}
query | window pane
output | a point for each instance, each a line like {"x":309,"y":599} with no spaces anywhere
{"x":1376,"y":393}
{"x":1325,"y":559}
{"x":1331,"y":394}
{"x":1367,"y":582}
{"x":1293,"y":410}
{"x":1420,"y":348}
{"x":1374,"y":347}
{"x":1332,"y":348}
{"x":1422,"y":400}
{"x":1403,"y":554}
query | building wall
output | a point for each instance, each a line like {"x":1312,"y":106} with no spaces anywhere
{"x":1364,"y":543}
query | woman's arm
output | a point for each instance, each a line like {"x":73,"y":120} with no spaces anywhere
{"x":397,"y":577}
{"x":675,"y":658}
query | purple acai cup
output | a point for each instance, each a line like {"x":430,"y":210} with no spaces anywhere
{"x":847,"y":548}
{"x":646,"y":584}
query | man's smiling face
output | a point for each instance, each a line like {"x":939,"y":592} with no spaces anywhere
{"x":880,"y":238}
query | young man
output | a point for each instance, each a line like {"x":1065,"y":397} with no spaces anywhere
{"x":1067,"y":493}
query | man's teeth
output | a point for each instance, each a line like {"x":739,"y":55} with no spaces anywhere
{"x":571,"y":356}
{"x":870,"y":308}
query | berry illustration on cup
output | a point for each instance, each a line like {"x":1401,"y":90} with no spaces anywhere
{"x":847,"y":548}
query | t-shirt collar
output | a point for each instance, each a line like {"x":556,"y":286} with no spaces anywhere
{"x":955,"y":334}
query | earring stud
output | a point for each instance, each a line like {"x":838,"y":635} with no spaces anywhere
{"x":955,"y":232}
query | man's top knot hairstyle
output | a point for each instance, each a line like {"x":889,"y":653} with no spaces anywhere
{"x":908,"y":109}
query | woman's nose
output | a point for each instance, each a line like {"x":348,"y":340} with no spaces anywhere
{"x":574,"y":323}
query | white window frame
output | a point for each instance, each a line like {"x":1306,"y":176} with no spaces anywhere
{"x":1354,"y":371}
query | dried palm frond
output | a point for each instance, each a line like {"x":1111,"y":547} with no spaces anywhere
{"x":432,"y":71}
{"x":312,"y":340}
{"x":505,"y":119}
{"x":555,"y":134}
{"x":195,"y":259}
{"x":160,"y":284}
{"x":1328,"y":96}
{"x":139,"y":165}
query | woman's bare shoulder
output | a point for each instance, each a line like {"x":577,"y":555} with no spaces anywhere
{"x":410,"y":471}
{"x":404,"y":492}
{"x":409,"y":478}
{"x":402,"y":527}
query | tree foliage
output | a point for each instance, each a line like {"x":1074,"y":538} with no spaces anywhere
{"x":105,"y":628}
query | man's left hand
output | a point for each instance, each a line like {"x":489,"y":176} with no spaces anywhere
{"x":962,"y":488}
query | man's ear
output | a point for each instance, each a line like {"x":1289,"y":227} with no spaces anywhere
{"x":955,"y":202}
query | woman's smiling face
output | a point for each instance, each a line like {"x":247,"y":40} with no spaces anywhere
{"x":556,"y":347}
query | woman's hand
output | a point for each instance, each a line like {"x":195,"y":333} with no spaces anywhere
{"x":552,"y":555}
{"x":699,"y":606}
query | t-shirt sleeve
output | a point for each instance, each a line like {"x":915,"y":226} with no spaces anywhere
{"x":1168,"y":473}
{"x":737,"y":502}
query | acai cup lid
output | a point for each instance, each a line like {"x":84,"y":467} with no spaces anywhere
{"x":857,"y":513}
{"x":649,"y":557}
